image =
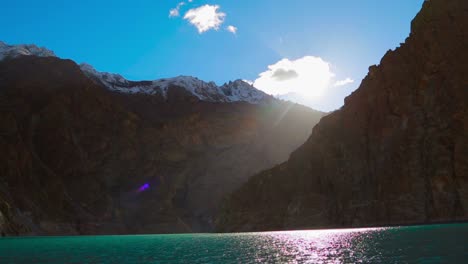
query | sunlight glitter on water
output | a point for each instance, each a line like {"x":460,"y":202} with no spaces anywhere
{"x":320,"y":246}
{"x":414,"y":244}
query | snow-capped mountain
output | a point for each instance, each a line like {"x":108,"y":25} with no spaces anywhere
{"x":23,"y":50}
{"x":240,"y":90}
{"x":205,"y":91}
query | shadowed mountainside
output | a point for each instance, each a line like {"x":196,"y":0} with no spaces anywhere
{"x":73,"y":155}
{"x":395,"y":153}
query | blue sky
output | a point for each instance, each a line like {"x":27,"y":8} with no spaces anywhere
{"x":139,"y":39}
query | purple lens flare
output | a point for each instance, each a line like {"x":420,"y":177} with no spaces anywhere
{"x":144,"y":187}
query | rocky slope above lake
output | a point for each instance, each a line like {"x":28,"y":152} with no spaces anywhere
{"x":395,"y":153}
{"x":82,"y":153}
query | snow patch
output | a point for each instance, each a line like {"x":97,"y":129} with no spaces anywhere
{"x":14,"y":51}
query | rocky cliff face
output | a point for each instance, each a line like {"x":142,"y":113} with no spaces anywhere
{"x":396,"y":152}
{"x":78,"y":158}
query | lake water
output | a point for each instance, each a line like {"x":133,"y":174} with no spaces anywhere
{"x":415,"y":244}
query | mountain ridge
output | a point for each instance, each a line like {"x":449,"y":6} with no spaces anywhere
{"x":232,"y":91}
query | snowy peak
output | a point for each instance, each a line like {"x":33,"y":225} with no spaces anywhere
{"x":205,"y":91}
{"x":23,"y":50}
{"x":240,"y":90}
{"x":108,"y":79}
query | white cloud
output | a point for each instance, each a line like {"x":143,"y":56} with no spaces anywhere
{"x":205,"y":18}
{"x":175,"y":12}
{"x":308,"y":76}
{"x":232,"y":29}
{"x":343,"y":82}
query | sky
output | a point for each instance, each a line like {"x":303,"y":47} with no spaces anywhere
{"x":310,"y":51}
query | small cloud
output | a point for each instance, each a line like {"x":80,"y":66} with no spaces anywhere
{"x":175,"y":12}
{"x":343,"y":82}
{"x":284,"y":75}
{"x":205,"y":18}
{"x":232,"y":29}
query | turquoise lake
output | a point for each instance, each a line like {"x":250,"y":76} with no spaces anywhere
{"x":412,"y":244}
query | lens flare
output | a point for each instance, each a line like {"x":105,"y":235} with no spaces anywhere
{"x":144,"y":187}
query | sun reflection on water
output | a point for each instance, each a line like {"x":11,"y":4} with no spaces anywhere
{"x":321,"y":246}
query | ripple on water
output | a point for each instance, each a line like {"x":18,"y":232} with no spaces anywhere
{"x":418,"y":244}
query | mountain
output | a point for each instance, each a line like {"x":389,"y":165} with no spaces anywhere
{"x":236,"y":91}
{"x":395,"y":153}
{"x":84,"y":152}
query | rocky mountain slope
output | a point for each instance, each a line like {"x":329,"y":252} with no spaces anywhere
{"x":81,"y":153}
{"x":396,"y":152}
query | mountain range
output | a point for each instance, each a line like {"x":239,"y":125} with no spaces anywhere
{"x":86,"y":152}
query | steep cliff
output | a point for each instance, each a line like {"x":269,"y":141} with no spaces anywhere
{"x":396,"y":152}
{"x":79,"y":158}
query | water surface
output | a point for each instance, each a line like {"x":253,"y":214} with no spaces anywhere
{"x":415,"y":244}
